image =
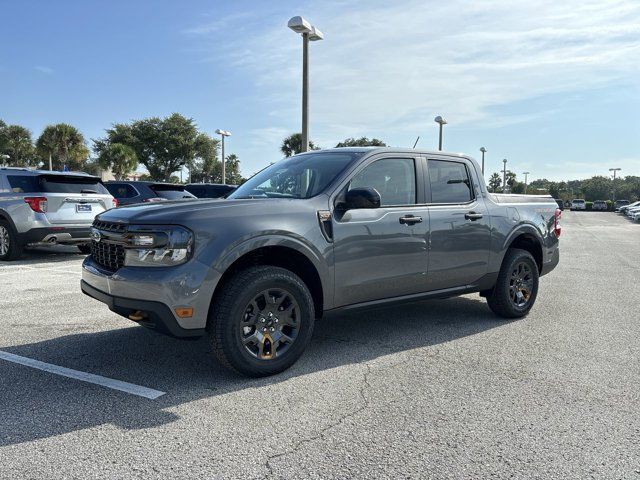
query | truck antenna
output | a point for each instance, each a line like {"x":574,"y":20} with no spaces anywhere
{"x":417,"y":139}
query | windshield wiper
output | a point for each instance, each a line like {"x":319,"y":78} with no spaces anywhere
{"x":86,"y":190}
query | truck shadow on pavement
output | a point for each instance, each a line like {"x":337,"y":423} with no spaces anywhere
{"x":37,"y":404}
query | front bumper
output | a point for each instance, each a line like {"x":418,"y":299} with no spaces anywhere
{"x":156,"y":291}
{"x":157,"y":316}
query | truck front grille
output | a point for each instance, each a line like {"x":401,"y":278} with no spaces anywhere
{"x":106,"y":254}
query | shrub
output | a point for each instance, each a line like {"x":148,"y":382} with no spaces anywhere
{"x":589,"y":205}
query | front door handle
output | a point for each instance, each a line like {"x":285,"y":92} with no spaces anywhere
{"x":473,"y":216}
{"x":410,"y":220}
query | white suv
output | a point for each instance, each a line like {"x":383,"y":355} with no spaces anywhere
{"x":578,"y":204}
{"x":43,"y":207}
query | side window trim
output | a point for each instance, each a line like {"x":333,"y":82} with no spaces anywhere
{"x":429,"y":198}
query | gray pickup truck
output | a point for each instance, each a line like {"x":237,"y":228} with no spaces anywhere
{"x":320,"y":231}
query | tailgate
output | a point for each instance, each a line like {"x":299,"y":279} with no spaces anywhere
{"x":74,"y":199}
{"x":69,"y":208}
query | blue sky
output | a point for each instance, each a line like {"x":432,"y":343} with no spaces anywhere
{"x":554,"y":87}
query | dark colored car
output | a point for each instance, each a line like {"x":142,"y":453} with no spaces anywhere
{"x":210,"y":190}
{"x":317,"y":232}
{"x":130,"y":192}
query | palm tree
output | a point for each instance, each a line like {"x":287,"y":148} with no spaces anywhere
{"x":293,"y":145}
{"x":63,"y":145}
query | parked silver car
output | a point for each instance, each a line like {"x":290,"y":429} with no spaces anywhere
{"x":42,"y":207}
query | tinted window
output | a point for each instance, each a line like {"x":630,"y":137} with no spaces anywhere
{"x":23,"y":183}
{"x":123,"y":190}
{"x":393,"y":178}
{"x":56,"y":184}
{"x":170,"y":192}
{"x":449,"y":182}
{"x":300,"y":176}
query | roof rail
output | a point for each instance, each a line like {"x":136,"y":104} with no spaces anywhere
{"x":16,"y":168}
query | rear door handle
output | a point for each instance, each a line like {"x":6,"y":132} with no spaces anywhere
{"x":410,"y":220}
{"x":473,"y":216}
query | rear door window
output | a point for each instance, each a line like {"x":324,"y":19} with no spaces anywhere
{"x":123,"y":190}
{"x":170,"y":192}
{"x":449,"y":182}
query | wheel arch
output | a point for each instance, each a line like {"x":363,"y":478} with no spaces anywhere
{"x":277,"y":254}
{"x":528,"y":239}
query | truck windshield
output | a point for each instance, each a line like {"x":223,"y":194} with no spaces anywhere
{"x":300,"y":176}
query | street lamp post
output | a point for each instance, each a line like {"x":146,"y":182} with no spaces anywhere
{"x":483,"y":150}
{"x":526,"y":174}
{"x":223,"y":133}
{"x":614,"y":170}
{"x":441,"y":121}
{"x":504,"y":175}
{"x":309,"y":33}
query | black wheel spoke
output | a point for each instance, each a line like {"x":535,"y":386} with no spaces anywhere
{"x":269,"y":325}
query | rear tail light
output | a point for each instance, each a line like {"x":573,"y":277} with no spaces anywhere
{"x":557,"y":229}
{"x":37,"y":204}
{"x":114,"y":202}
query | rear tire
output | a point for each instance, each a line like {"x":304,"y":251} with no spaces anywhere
{"x":516,"y":289}
{"x":85,"y":248}
{"x":261,"y":321}
{"x":10,"y":246}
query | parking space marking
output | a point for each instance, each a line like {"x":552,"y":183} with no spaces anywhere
{"x":126,"y":387}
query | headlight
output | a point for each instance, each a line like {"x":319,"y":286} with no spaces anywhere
{"x":157,"y":246}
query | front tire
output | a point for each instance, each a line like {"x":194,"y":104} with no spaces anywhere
{"x":261,"y":321}
{"x":516,"y":289}
{"x":10,"y":247}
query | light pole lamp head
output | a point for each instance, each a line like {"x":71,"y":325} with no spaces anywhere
{"x":440,"y":120}
{"x":526,"y":173}
{"x":300,"y":25}
{"x":224,"y":133}
{"x":316,"y":34}
{"x":483,"y":150}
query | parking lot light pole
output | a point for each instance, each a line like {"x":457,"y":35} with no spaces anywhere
{"x":309,"y":33}
{"x":223,"y":133}
{"x":441,"y":121}
{"x":614,"y":170}
{"x":526,"y":174}
{"x":483,"y":150}
{"x":504,"y":175}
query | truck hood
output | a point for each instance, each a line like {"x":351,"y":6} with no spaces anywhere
{"x":182,"y":212}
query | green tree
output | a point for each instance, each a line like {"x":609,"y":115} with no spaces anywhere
{"x":292,"y":145}
{"x":495,"y":181}
{"x":597,"y":188}
{"x":121,"y":159}
{"x":16,"y":142}
{"x":361,"y":142}
{"x":202,"y":167}
{"x":161,"y":144}
{"x":62,"y":144}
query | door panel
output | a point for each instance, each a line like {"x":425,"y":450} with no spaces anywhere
{"x":382,"y":252}
{"x":460,"y":236}
{"x":459,"y":247}
{"x":377,"y":257}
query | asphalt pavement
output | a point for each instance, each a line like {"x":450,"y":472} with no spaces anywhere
{"x":437,"y":389}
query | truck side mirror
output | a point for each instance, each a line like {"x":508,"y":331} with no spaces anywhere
{"x":364,"y":197}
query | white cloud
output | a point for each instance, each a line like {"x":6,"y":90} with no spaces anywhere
{"x":43,"y":69}
{"x":385,"y":69}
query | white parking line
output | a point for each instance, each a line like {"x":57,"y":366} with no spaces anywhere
{"x":83,"y":376}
